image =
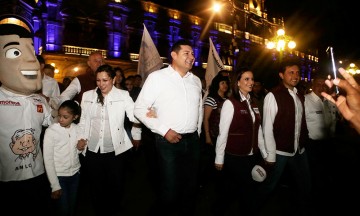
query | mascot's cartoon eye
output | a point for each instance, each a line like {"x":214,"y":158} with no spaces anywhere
{"x":12,"y":53}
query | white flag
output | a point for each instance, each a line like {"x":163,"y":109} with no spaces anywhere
{"x":214,"y":65}
{"x":149,"y":58}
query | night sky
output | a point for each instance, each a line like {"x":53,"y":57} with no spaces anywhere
{"x":314,"y":24}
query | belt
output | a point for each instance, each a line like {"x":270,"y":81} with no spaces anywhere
{"x":187,"y":135}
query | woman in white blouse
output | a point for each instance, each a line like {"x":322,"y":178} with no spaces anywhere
{"x":104,"y":140}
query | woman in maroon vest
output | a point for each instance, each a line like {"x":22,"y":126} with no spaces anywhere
{"x":238,"y":144}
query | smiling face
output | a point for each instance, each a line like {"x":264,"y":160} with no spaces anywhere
{"x":95,"y":60}
{"x":246,"y":82}
{"x":291,"y":76}
{"x":104,"y":82}
{"x":24,"y":145}
{"x":223,"y":87}
{"x":19,"y":68}
{"x":183,"y":59}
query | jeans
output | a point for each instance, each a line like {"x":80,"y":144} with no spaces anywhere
{"x":65,"y":206}
{"x":299,"y":168}
{"x":178,"y":167}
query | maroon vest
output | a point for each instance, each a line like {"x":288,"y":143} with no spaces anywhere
{"x":284,"y":123}
{"x":87,"y":82}
{"x":243,"y":132}
{"x":214,"y":118}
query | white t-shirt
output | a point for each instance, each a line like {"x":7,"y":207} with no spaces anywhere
{"x":22,"y":118}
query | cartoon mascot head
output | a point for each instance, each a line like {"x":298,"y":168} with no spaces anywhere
{"x":19,"y":68}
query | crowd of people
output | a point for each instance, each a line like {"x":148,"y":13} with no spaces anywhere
{"x":240,"y":136}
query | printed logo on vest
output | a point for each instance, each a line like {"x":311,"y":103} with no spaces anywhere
{"x":40,"y":108}
{"x":9,"y":103}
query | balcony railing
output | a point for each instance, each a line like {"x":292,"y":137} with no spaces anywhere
{"x":83,"y":51}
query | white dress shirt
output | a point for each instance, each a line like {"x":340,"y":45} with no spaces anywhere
{"x":320,"y":118}
{"x":69,"y":93}
{"x":177,"y":101}
{"x":50,"y":87}
{"x":100,"y":133}
{"x":270,"y":111}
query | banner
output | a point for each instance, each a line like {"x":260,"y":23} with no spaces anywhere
{"x":149,"y":58}
{"x":214,"y":65}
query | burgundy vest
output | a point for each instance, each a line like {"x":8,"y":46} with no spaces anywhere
{"x":87,"y":82}
{"x":284,"y":123}
{"x":214,"y":118}
{"x":243,"y":132}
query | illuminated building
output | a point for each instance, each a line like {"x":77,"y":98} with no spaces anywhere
{"x":66,"y":31}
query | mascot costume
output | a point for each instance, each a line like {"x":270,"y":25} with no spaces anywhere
{"x":23,"y":183}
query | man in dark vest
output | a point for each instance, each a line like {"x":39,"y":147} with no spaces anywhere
{"x":286,"y":136}
{"x":81,"y":83}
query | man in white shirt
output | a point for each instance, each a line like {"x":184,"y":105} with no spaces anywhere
{"x":321,"y":122}
{"x":174,"y":93}
{"x":286,"y":135}
{"x":50,"y":87}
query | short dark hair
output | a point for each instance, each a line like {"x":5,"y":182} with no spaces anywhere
{"x":10,"y":29}
{"x":288,"y":62}
{"x":119,"y":69}
{"x":40,"y":59}
{"x":177,"y":45}
{"x":49,"y":66}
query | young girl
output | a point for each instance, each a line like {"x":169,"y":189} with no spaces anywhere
{"x":61,"y":158}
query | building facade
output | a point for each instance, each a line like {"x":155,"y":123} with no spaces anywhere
{"x":66,"y":31}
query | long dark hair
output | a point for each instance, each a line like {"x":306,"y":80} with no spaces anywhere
{"x":215,"y":84}
{"x":122,"y":83}
{"x":111,"y":73}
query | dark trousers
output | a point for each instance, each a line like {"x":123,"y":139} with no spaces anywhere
{"x":27,"y":196}
{"x":207,"y":171}
{"x":178,"y":168}
{"x":237,"y":187}
{"x":322,"y":173}
{"x":106,"y":177}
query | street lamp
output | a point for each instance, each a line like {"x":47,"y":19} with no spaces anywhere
{"x":217,"y":7}
{"x":281,"y":42}
{"x":353,"y":69}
